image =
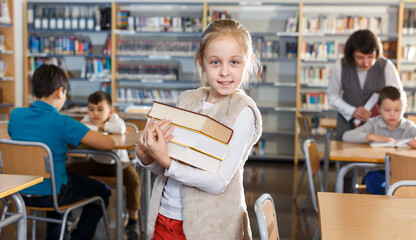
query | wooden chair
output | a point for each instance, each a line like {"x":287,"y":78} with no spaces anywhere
{"x":35,"y":158}
{"x":3,"y":130}
{"x":305,"y":133}
{"x":400,"y":173}
{"x":266,"y":217}
{"x":314,"y":169}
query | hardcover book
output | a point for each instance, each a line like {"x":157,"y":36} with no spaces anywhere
{"x":198,"y":140}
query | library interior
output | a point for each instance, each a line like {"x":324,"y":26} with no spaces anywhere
{"x":142,"y":55}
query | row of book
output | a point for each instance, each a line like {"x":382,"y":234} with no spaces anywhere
{"x":5,"y":12}
{"x":409,"y":52}
{"x":125,"y":21}
{"x":136,"y":71}
{"x":35,"y":62}
{"x":314,"y":100}
{"x":96,"y":69}
{"x":66,"y":45}
{"x":322,"y":50}
{"x":340,"y":24}
{"x":411,"y":102}
{"x":292,"y":25}
{"x":147,"y":96}
{"x":49,"y":17}
{"x":408,"y":78}
{"x":2,"y":46}
{"x":214,"y":15}
{"x":409,"y":21}
{"x":2,"y":68}
{"x":164,"y":48}
{"x":318,"y":75}
{"x":266,"y":49}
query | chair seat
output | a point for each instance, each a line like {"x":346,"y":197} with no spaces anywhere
{"x":61,"y":207}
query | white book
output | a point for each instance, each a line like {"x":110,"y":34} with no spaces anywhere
{"x":399,"y":143}
{"x":371,"y":102}
{"x":192,"y":157}
{"x":200,"y":142}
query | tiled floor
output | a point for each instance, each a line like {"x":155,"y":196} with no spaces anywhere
{"x":276,"y":178}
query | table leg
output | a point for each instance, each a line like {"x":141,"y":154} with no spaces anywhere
{"x":21,"y":210}
{"x":326,"y":159}
{"x":339,"y":184}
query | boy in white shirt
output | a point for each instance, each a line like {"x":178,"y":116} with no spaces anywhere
{"x":101,"y":117}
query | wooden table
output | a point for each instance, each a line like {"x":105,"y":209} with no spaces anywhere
{"x":366,"y":216}
{"x":10,"y":184}
{"x":359,"y":155}
{"x":122,"y":141}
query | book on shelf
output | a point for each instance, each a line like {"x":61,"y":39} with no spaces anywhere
{"x":370,"y":105}
{"x":198,"y":140}
{"x":397,"y":144}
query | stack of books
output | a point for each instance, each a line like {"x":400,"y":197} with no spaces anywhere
{"x":198,"y":140}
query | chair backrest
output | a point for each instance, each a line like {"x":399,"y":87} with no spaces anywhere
{"x":139,"y":122}
{"x":28,"y":158}
{"x":305,"y":124}
{"x":313,"y":168}
{"x":400,"y":168}
{"x":3,"y":130}
{"x":137,"y":109}
{"x":266,"y":217}
{"x":131,"y":127}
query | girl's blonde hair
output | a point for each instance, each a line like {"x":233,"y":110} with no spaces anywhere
{"x":232,"y":28}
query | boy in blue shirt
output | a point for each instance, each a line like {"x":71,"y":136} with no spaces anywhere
{"x":42,"y":122}
{"x":389,"y":126}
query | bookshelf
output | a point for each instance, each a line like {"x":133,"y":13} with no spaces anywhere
{"x":146,"y":53}
{"x":7,"y":70}
{"x":74,"y":36}
{"x":406,"y":57}
{"x":154,"y":48}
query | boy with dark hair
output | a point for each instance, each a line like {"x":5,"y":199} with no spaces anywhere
{"x":101,"y":117}
{"x":389,"y":126}
{"x":42,"y":122}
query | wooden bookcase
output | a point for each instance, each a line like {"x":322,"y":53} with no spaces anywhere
{"x":285,"y":85}
{"x":7,"y":69}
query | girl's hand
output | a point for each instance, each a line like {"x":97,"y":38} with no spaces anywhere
{"x":149,"y":133}
{"x":412,"y":143}
{"x":156,"y":148}
{"x":379,"y":138}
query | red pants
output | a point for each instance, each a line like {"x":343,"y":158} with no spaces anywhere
{"x":168,"y":229}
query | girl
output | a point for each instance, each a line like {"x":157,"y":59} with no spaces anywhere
{"x":189,"y":203}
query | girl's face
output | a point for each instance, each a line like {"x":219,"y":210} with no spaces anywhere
{"x":99,"y":113}
{"x":364,"y":61}
{"x":391,"y":112}
{"x":224,"y":65}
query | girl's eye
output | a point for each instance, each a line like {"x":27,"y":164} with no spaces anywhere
{"x":214,"y":62}
{"x":234,"y":62}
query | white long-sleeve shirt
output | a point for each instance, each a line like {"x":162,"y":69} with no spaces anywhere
{"x":215,"y":183}
{"x":114,"y":125}
{"x":334,"y":91}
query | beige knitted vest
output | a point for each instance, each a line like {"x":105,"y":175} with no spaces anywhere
{"x":208,"y":216}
